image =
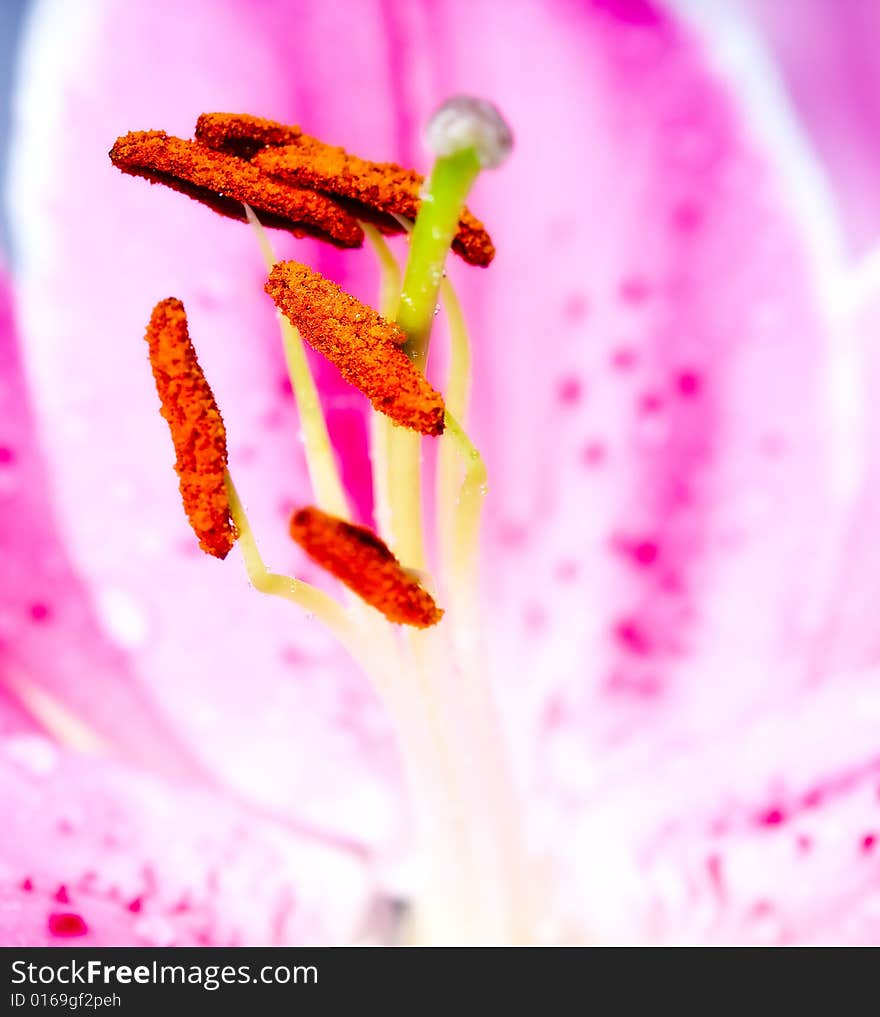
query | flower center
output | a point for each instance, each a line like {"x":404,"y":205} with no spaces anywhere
{"x":430,"y":673}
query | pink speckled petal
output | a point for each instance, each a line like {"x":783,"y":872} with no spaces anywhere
{"x":58,"y":670}
{"x":87,"y":859}
{"x":771,"y":834}
{"x":262,"y":694}
{"x":652,"y":370}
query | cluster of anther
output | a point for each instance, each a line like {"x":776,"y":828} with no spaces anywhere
{"x":291,"y":180}
{"x":297,"y":183}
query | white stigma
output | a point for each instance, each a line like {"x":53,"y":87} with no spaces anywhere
{"x":464,"y":122}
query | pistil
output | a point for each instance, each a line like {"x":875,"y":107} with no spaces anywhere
{"x":466,"y":134}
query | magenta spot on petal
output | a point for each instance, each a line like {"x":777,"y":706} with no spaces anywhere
{"x":634,"y":291}
{"x":247,"y":454}
{"x":554,"y":712}
{"x":623,"y":358}
{"x":61,"y":895}
{"x":645,"y":552}
{"x":566,"y":571}
{"x":576,"y":308}
{"x":645,"y":686}
{"x":513,"y":535}
{"x":292,"y":656}
{"x":87,"y":881}
{"x":570,"y":391}
{"x":284,"y":387}
{"x":136,"y":905}
{"x":207,"y":298}
{"x":689,"y":384}
{"x":40,"y":612}
{"x":27,"y":885}
{"x":189,"y":548}
{"x":273,"y":420}
{"x":868,"y":842}
{"x":772,"y":817}
{"x":812,"y":799}
{"x":804,"y":844}
{"x":7,"y":456}
{"x":635,"y":12}
{"x":632,"y":637}
{"x":66,"y":924}
{"x":593,"y":453}
{"x":715,"y":873}
{"x":687,"y":217}
{"x":773,"y":446}
{"x":65,"y":827}
{"x":762,"y":908}
{"x":535,"y":618}
{"x":650,"y":403}
{"x":641,"y":552}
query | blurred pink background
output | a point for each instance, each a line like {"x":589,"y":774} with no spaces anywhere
{"x":675,"y":389}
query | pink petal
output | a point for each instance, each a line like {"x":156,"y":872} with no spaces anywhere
{"x":95,"y":855}
{"x":849,"y":638}
{"x":768,"y":835}
{"x":827,"y":55}
{"x":59,"y":670}
{"x":827,"y":68}
{"x":652,"y":369}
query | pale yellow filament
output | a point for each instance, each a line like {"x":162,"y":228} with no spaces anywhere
{"x":309,"y":598}
{"x":380,"y":425}
{"x":320,"y":457}
{"x":460,"y":518}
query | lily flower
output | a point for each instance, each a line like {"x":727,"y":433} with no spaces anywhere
{"x":665,"y":725}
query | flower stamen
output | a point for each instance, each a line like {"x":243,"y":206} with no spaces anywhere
{"x":364,"y":563}
{"x":320,"y":456}
{"x":375,"y":192}
{"x":197,"y":429}
{"x":223,"y":182}
{"x":364,"y":346}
